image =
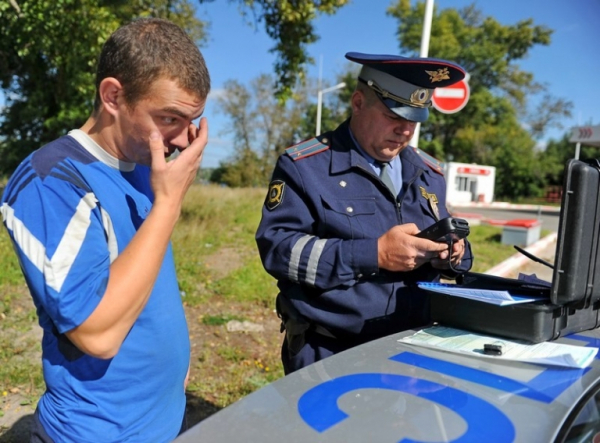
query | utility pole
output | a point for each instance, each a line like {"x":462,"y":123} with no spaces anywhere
{"x":424,"y":52}
{"x":320,"y":103}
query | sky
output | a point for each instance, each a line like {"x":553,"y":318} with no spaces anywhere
{"x":237,"y":50}
{"x":569,"y":66}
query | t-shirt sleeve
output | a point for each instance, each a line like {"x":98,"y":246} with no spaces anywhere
{"x":60,"y":239}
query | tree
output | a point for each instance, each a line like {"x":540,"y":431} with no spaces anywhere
{"x":48,"y":58}
{"x":335,"y":107}
{"x":289,"y":23}
{"x":556,"y":155}
{"x":261,"y":126}
{"x":489,"y":129}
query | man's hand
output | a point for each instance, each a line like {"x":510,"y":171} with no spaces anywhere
{"x":133,"y":273}
{"x":399,"y":249}
{"x":458,"y":251}
{"x":171,"y":180}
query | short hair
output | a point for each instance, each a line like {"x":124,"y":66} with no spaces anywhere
{"x":144,"y":50}
{"x":370,"y":96}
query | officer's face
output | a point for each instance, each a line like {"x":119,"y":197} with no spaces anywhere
{"x":380,"y":132}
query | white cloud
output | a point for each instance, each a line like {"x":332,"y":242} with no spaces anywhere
{"x":219,"y":142}
{"x":216,"y":93}
{"x":541,"y":145}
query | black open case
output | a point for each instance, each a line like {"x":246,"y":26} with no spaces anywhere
{"x":573,"y":300}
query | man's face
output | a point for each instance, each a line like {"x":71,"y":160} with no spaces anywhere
{"x":380,"y":132}
{"x":166,"y":108}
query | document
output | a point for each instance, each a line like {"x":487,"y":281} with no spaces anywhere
{"x":493,"y":296}
{"x":464,"y":342}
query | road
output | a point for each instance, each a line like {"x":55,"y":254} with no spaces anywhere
{"x":549,"y":219}
{"x":550,"y":222}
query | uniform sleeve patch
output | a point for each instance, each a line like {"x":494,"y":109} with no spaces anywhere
{"x":307,"y":148}
{"x":275,"y":194}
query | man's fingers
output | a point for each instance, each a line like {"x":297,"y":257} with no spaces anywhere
{"x":408,"y":228}
{"x":192,"y":133}
{"x":202,"y":132}
{"x":458,"y":246}
{"x":198,"y":143}
{"x":429,"y":245}
{"x":157,"y":149}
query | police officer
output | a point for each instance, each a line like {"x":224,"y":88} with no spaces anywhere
{"x":341,"y":214}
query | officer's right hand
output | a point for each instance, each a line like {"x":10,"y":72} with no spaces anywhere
{"x":400,"y":251}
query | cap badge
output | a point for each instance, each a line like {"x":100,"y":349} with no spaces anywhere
{"x":419,"y":96}
{"x":439,"y":75}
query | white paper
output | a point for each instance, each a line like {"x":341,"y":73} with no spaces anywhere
{"x":463,"y":342}
{"x":495,"y":297}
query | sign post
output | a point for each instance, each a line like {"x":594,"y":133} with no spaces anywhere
{"x":452,"y":98}
{"x":588,"y":135}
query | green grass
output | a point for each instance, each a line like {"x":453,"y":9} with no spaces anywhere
{"x":216,"y":219}
{"x":16,"y":368}
{"x":20,"y":346}
{"x":487,"y":248}
{"x":218,"y":267}
{"x":10,"y":272}
{"x":219,"y":320}
{"x":17,"y":319}
{"x":248,"y":284}
{"x":231,"y":354}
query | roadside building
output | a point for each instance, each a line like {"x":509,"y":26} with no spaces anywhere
{"x":469,"y":183}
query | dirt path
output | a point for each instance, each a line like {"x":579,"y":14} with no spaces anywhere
{"x":226,"y":362}
{"x":15,"y":422}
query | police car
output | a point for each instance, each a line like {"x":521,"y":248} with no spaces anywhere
{"x":389,"y":391}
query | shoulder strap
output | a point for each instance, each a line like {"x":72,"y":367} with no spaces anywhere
{"x":307,"y":148}
{"x":432,"y":162}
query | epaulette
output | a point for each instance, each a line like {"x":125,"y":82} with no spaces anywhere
{"x":307,"y":148}
{"x":430,"y":161}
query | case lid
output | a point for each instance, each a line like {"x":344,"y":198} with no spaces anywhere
{"x":576,"y":277}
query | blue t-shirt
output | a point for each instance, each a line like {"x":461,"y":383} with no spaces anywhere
{"x":70,"y":209}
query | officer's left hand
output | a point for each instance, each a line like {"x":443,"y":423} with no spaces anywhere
{"x":458,"y":251}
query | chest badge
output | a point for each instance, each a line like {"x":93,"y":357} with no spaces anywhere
{"x":275,"y":194}
{"x":432,"y":200}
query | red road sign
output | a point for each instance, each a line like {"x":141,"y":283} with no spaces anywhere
{"x":452,"y":98}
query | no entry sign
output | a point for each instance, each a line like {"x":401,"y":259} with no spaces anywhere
{"x":452,"y":98}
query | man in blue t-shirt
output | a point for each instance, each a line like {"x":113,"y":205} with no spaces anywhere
{"x":90,"y":216}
